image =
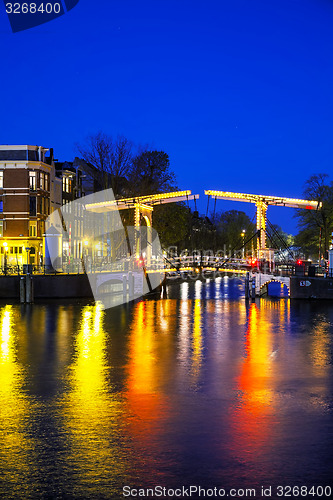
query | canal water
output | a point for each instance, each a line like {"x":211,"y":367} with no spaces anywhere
{"x":197,"y":389}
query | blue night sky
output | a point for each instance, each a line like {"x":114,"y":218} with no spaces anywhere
{"x":238,"y":93}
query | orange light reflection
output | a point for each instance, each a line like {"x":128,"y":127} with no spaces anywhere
{"x":252,"y":421}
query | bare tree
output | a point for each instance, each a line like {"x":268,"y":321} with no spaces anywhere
{"x":111,"y":159}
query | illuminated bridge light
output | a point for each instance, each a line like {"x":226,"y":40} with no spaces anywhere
{"x":270,"y":200}
{"x":145,"y":202}
{"x":262,"y":202}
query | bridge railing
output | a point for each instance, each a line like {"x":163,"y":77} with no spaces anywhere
{"x":204,"y":261}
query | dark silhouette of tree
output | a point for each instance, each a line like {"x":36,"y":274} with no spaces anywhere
{"x":111,"y":159}
{"x":230,"y":226}
{"x":113,"y":164}
{"x":171,"y":221}
{"x":151,"y":174}
{"x":316,"y":225}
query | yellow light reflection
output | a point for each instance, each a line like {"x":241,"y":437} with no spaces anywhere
{"x":196,"y":340}
{"x":92,"y":413}
{"x":184,"y":328}
{"x":190,"y":341}
{"x":321,"y":346}
{"x":6,"y":347}
{"x":16,"y":448}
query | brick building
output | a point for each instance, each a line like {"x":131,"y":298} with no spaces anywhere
{"x":29,"y":192}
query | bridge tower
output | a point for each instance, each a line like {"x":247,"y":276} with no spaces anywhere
{"x":143,"y":209}
{"x":262,"y":202}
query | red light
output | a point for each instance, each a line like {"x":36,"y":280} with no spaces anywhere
{"x":299,"y":262}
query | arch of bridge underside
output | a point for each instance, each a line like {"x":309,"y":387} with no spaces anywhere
{"x":274,"y":280}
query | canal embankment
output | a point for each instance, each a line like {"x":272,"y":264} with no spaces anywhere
{"x":47,"y":286}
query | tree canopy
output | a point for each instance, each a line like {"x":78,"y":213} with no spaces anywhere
{"x":150,"y":173}
{"x":316,"y":225}
{"x":234,"y":227}
{"x":136,"y":171}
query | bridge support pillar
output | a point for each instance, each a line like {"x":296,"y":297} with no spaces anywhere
{"x":247,"y":286}
{"x":130,"y":285}
{"x":124,"y":287}
{"x":253,"y":289}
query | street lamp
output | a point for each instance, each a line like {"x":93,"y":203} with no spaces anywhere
{"x":243,"y":235}
{"x":85,"y":260}
{"x":27,"y":249}
{"x":5,"y":248}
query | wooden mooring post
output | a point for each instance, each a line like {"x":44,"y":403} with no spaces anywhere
{"x":253,"y":290}
{"x":247,"y":286}
{"x":22,"y":289}
{"x":26,"y":289}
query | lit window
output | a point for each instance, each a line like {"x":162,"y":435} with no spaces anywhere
{"x":1,"y":206}
{"x":1,"y":228}
{"x":42,"y":180}
{"x":66,"y":185}
{"x":32,"y":181}
{"x":33,"y":229}
{"x":1,"y":178}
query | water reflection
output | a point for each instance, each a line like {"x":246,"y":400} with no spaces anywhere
{"x":189,"y":388}
{"x":150,"y":352}
{"x":252,"y":420}
{"x":92,"y":413}
{"x":196,"y":341}
{"x":16,"y":447}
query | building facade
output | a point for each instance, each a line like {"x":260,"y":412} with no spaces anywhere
{"x":29,"y":192}
{"x":72,"y":245}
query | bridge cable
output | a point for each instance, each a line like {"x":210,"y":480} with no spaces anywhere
{"x":280,"y":239}
{"x":207,"y":205}
{"x":235,"y":249}
{"x":214,"y":208}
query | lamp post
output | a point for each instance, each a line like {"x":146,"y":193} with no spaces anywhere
{"x":28,"y":257}
{"x":5,"y":248}
{"x":243,"y":249}
{"x":85,"y":256}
